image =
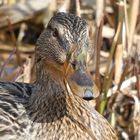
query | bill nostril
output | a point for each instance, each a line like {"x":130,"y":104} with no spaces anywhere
{"x":74,"y":64}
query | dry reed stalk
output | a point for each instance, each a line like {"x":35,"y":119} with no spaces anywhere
{"x":98,"y":48}
{"x":110,"y":58}
{"x":126,"y":18}
{"x":10,"y":27}
{"x":132,"y":20}
{"x":113,"y":119}
{"x":120,"y":86}
{"x":104,"y":54}
{"x":136,"y":72}
{"x":118,"y":63}
{"x":78,"y":9}
{"x":126,"y":68}
{"x":27,"y":70}
{"x":105,"y":90}
{"x":22,"y":49}
{"x":113,"y":47}
{"x":19,"y":72}
{"x":100,"y":4}
{"x":25,"y":76}
{"x":13,"y":58}
{"x":119,"y":47}
{"x":7,"y":61}
{"x":65,"y":6}
{"x":109,"y":74}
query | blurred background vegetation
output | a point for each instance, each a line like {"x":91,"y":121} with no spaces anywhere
{"x":114,"y":60}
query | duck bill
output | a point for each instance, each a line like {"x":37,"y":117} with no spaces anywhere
{"x":81,"y":82}
{"x":78,"y":78}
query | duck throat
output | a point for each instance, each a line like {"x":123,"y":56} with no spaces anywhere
{"x":48,"y":101}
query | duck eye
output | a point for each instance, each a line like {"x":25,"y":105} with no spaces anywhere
{"x":55,"y":32}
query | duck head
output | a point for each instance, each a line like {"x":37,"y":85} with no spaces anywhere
{"x":61,"y":52}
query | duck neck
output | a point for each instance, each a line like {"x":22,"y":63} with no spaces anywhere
{"x":48,"y":98}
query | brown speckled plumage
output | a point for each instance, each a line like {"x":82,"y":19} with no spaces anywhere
{"x":45,"y":110}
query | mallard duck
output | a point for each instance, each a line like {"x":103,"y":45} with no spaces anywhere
{"x":51,"y":108}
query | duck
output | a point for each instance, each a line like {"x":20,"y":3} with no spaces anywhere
{"x":53,"y":108}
